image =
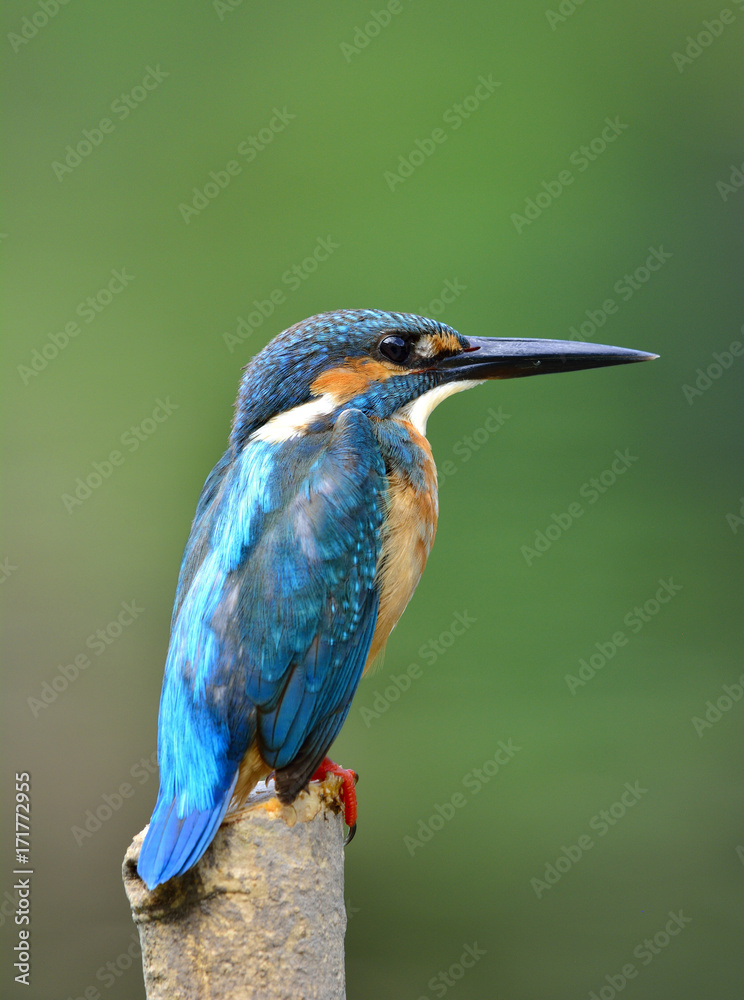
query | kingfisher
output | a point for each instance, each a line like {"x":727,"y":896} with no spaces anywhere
{"x":309,"y":538}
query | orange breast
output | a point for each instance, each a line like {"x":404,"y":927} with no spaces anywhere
{"x":409,"y":531}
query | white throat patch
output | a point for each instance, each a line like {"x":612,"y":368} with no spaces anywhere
{"x":419,"y":411}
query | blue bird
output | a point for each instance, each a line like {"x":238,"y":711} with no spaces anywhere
{"x":310,"y":536}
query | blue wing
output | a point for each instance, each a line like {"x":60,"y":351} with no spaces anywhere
{"x":273,"y":620}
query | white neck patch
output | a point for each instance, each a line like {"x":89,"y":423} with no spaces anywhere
{"x":294,"y":422}
{"x":419,"y":411}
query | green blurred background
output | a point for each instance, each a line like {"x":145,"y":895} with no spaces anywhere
{"x":361,"y":91}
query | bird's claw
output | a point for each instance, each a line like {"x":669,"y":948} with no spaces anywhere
{"x":350,"y":779}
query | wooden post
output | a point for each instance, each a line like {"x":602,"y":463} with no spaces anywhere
{"x":260,"y":916}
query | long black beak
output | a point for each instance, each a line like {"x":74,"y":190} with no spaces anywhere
{"x":501,"y":357}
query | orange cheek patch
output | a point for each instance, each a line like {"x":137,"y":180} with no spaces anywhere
{"x":350,"y":379}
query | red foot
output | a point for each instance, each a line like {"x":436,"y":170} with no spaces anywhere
{"x":350,"y":779}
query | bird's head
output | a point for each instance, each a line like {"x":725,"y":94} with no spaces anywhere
{"x":386,"y":364}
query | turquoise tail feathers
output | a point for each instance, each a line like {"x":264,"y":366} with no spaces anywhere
{"x":173,"y":844}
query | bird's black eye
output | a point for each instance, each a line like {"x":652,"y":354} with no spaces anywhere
{"x":394,"y":349}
